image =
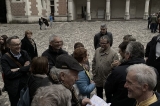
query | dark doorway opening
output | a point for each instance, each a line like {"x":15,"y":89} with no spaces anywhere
{"x":3,"y":11}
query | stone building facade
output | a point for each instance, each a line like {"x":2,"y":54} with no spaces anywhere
{"x":70,"y":10}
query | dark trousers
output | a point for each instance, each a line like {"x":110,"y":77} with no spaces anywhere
{"x":159,"y":27}
{"x":99,"y":91}
{"x":153,"y":27}
{"x":14,"y":99}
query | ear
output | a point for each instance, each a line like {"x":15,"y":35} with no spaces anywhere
{"x":145,"y":87}
{"x":62,"y":76}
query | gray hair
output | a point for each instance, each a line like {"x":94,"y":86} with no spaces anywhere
{"x":51,"y":38}
{"x":135,"y":49}
{"x":144,"y":74}
{"x":54,"y":95}
{"x":56,"y":72}
{"x":10,"y":38}
{"x":103,"y":26}
{"x":107,"y":38}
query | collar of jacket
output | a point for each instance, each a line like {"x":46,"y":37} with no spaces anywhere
{"x":40,"y":75}
{"x":103,"y":52}
{"x":134,"y":61}
{"x":103,"y":34}
{"x":53,"y":51}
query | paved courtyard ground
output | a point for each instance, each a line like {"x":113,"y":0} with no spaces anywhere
{"x":72,"y":32}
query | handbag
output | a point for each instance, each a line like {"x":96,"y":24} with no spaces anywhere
{"x":24,"y":99}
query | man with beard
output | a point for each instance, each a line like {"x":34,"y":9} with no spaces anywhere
{"x":103,"y":32}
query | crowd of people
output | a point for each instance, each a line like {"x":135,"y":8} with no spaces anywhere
{"x":154,"y":22}
{"x":57,"y":78}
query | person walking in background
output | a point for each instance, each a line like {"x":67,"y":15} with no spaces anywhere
{"x":29,"y":45}
{"x":45,"y":21}
{"x":51,"y":19}
{"x":40,"y":23}
{"x":153,"y":23}
{"x":149,"y":22}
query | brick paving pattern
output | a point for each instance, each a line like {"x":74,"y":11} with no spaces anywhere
{"x":72,"y":32}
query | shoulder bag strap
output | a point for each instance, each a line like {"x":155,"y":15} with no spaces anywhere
{"x":14,"y":60}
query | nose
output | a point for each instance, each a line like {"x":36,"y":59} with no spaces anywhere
{"x":125,"y":85}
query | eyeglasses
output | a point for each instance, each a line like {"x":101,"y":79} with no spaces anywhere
{"x":103,"y":43}
{"x":16,"y":45}
{"x":58,"y":42}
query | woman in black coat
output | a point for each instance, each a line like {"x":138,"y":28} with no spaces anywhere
{"x":29,"y":45}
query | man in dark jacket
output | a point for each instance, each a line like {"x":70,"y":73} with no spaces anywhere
{"x":103,"y":32}
{"x":15,"y":65}
{"x":153,"y":54}
{"x":140,"y":82}
{"x":54,"y":50}
{"x":116,"y":94}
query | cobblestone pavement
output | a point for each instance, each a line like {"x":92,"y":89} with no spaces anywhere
{"x":72,"y":32}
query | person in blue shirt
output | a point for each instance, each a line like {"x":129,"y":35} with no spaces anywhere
{"x":84,"y":84}
{"x":51,"y":20}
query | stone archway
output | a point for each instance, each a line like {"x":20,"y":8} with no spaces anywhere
{"x":3,"y":11}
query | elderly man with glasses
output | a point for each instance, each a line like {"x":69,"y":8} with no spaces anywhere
{"x":54,"y":50}
{"x":15,"y":65}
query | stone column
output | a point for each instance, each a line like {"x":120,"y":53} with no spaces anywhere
{"x":107,"y":17}
{"x":8,"y":15}
{"x":70,"y":14}
{"x":127,"y":15}
{"x":55,"y":8}
{"x":146,"y":10}
{"x":88,"y":10}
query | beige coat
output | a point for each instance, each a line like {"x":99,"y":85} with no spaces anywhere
{"x":101,"y":66}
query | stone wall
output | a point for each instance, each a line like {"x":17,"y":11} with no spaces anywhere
{"x":18,"y":8}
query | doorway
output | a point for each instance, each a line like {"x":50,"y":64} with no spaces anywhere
{"x":3,"y":18}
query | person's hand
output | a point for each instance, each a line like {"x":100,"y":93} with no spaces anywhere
{"x":92,"y":82}
{"x":26,"y":63}
{"x":115,"y":63}
{"x":14,"y":69}
{"x":86,"y":101}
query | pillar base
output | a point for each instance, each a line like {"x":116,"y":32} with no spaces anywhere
{"x":69,"y":17}
{"x":107,"y":17}
{"x":145,"y":16}
{"x":88,"y":16}
{"x":127,"y":17}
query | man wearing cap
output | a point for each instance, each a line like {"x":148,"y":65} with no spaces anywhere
{"x":103,"y":31}
{"x":65,"y":72}
{"x":54,"y":50}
